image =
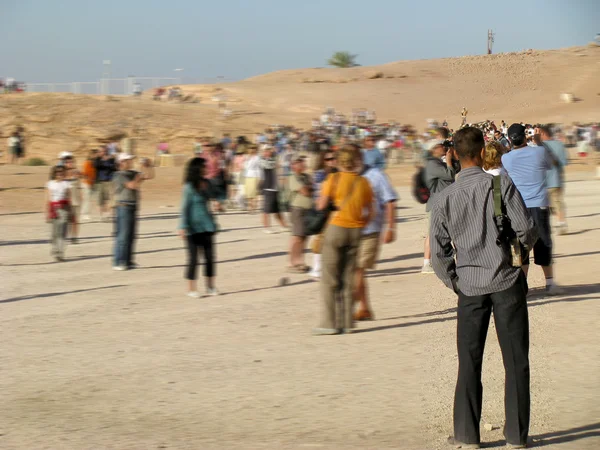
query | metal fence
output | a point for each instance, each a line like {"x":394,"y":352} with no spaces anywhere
{"x":104,"y":86}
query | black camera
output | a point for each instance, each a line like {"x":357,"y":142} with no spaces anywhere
{"x":447,"y":144}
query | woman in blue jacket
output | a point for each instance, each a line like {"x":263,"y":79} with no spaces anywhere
{"x":198,"y":226}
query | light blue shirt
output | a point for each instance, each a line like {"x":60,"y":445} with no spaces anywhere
{"x":554,"y":176}
{"x":383,"y":193}
{"x":373,"y":158}
{"x":527,"y":167}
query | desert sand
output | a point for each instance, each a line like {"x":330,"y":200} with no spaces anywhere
{"x":95,"y":359}
{"x":523,"y":86}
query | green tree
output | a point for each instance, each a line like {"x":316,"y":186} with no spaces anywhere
{"x":343,"y":60}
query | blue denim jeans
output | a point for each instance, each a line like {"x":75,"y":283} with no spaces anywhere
{"x":125,"y":235}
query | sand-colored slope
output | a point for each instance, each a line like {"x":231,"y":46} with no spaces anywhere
{"x":513,"y":86}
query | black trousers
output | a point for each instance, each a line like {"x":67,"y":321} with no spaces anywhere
{"x":512,"y":327}
{"x":196,"y":242}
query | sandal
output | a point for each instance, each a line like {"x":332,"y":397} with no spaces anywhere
{"x":299,"y":268}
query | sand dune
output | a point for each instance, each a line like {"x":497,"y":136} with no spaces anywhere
{"x":512,"y":86}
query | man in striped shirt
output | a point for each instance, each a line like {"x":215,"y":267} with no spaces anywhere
{"x":466,"y":257}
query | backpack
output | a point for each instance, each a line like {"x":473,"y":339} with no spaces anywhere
{"x":420,"y":189}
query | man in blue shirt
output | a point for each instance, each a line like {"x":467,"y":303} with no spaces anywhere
{"x":368,"y":250}
{"x":555,"y":176}
{"x":527,"y":166}
{"x":372,"y":157}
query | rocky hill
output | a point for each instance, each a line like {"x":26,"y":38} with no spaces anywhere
{"x":525,"y":85}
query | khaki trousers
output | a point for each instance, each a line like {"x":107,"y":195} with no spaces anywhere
{"x":340,"y":249}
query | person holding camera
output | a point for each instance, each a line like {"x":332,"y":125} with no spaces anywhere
{"x":472,"y":255}
{"x":127,"y":183}
{"x":439,"y":174}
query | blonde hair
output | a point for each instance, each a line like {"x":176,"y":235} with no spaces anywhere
{"x":347,"y":157}
{"x":493,"y":155}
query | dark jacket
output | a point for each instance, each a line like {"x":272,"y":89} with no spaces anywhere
{"x":438,"y":176}
{"x":105,"y":168}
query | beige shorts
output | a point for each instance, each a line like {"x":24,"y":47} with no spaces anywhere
{"x":104,"y":190}
{"x":368,"y":251}
{"x":556,"y":199}
{"x":251,"y":188}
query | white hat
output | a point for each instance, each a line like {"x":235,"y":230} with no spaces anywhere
{"x":125,"y":157}
{"x":434,"y":143}
{"x":63,"y":155}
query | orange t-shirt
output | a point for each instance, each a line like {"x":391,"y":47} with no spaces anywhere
{"x":353,"y":213}
{"x":89,"y":172}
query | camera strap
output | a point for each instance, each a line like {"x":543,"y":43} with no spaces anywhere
{"x":498,"y":213}
{"x":497,"y":198}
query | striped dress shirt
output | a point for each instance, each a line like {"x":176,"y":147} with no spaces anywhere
{"x":463,"y":233}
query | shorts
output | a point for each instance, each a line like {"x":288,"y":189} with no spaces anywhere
{"x":251,"y":188}
{"x":297,"y":219}
{"x":368,"y":251}
{"x":219,"y":189}
{"x":271,"y":202}
{"x":542,"y":249}
{"x":556,"y":199}
{"x":104,"y":188}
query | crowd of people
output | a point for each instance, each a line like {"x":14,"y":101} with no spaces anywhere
{"x":108,"y":179}
{"x":489,"y":191}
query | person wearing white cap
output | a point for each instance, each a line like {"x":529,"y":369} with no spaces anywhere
{"x":127,"y":183}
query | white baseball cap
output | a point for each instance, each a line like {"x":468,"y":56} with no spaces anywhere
{"x":63,"y":155}
{"x":125,"y":157}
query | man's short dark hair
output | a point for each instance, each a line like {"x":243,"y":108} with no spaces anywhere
{"x":443,"y":132}
{"x":468,"y":143}
{"x":545,"y":129}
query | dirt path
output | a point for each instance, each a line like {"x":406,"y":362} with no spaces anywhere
{"x":96,"y":359}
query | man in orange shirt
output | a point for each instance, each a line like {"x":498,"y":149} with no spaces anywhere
{"x":88,"y":178}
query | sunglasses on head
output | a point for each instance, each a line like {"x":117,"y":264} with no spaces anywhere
{"x":329,"y":159}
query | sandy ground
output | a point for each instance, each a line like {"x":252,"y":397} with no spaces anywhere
{"x":96,"y":359}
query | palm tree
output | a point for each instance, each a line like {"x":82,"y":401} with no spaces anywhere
{"x":343,"y":60}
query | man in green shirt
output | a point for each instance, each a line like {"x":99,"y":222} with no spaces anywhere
{"x":301,"y":190}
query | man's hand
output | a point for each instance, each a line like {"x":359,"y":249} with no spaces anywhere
{"x":389,"y":236}
{"x":181,"y":234}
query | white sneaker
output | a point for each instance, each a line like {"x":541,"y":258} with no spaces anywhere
{"x":554,"y":290}
{"x":313,"y":274}
{"x":86,"y":218}
{"x":194,"y":294}
{"x":284,"y":229}
{"x":212,"y":292}
{"x":268,"y":231}
{"x":427,"y":268}
{"x":119,"y":268}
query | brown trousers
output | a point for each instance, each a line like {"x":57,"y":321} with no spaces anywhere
{"x":340,"y":249}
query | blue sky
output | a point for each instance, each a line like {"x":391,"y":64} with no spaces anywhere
{"x":67,"y":40}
